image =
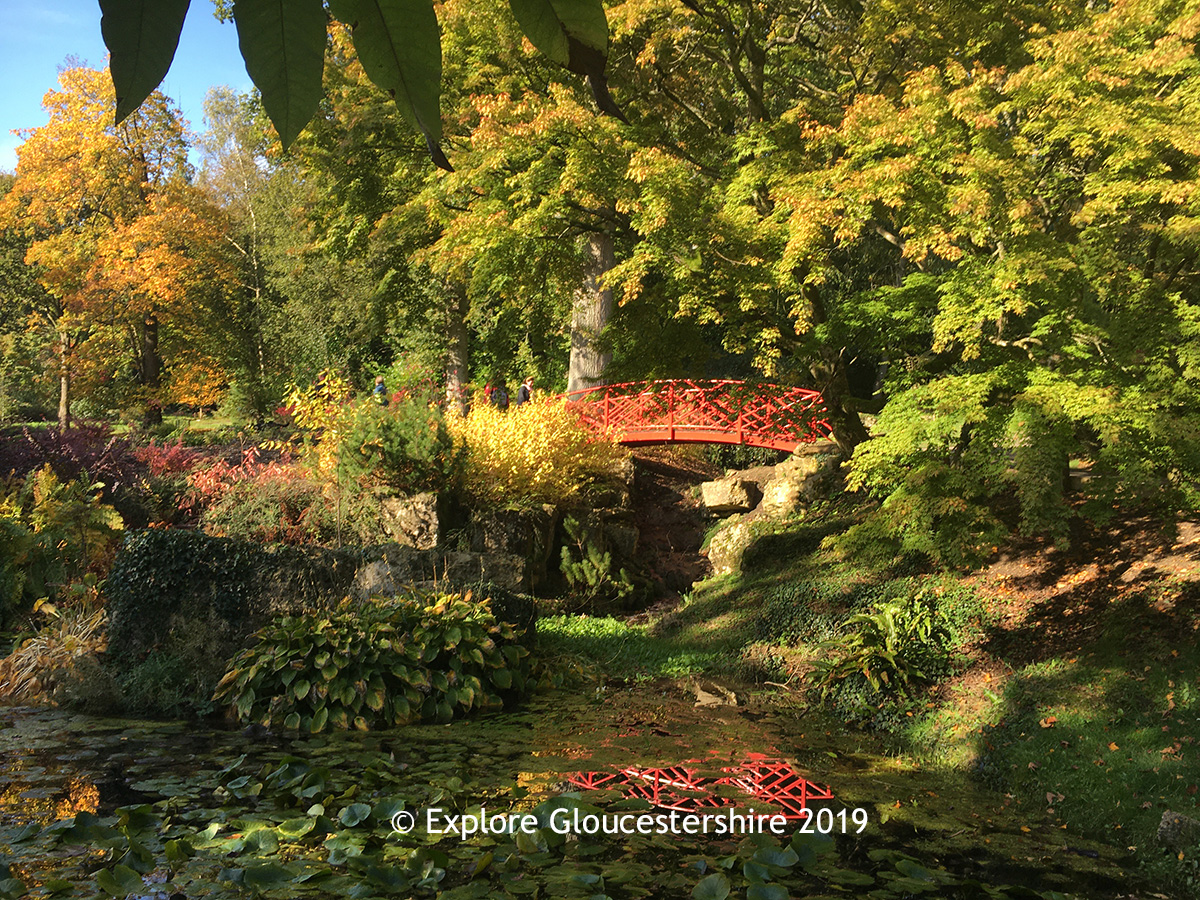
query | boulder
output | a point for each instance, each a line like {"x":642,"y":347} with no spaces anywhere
{"x":507,"y":570}
{"x":800,"y":478}
{"x":527,"y":533}
{"x":727,"y":547}
{"x":729,"y":495}
{"x":622,"y":538}
{"x":413,"y":521}
{"x":1178,"y":832}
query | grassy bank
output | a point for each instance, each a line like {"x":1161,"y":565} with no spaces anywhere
{"x":1069,"y":685}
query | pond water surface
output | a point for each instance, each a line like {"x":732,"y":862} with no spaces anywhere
{"x":119,"y":808}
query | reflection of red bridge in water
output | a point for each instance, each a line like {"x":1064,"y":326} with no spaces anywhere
{"x":687,"y":790}
{"x":717,"y":412}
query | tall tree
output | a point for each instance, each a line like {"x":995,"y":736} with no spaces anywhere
{"x":120,"y":239}
{"x":1043,"y":225}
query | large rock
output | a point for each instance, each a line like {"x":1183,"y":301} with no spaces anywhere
{"x":413,"y":521}
{"x":1178,"y":832}
{"x":527,"y":533}
{"x":727,"y":547}
{"x":729,"y":495}
{"x":800,"y":478}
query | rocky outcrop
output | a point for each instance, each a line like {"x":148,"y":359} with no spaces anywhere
{"x":728,"y":545}
{"x":414,"y":521}
{"x":729,"y":495}
{"x":525,"y":533}
{"x":785,"y":489}
{"x":1177,"y":831}
{"x":165,"y":580}
{"x":800,"y":479}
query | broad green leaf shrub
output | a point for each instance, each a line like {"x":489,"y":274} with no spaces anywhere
{"x":885,"y":654}
{"x":406,"y":445}
{"x":377,"y":664}
{"x":537,"y":452}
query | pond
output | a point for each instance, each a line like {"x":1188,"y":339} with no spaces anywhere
{"x":169,"y":810}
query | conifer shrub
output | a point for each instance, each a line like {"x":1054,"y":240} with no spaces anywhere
{"x":405,"y":445}
{"x":377,"y":664}
{"x":537,"y":452}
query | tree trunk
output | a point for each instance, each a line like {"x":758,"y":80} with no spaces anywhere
{"x":151,"y":369}
{"x":458,"y":339}
{"x":590,"y":314}
{"x":830,"y":375}
{"x":64,"y":383}
{"x":829,"y":372}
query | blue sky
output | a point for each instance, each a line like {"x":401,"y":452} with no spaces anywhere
{"x":36,"y":37}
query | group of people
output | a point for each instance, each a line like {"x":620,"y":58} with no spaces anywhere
{"x":497,"y":394}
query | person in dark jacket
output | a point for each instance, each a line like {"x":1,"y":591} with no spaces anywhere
{"x":525,"y":391}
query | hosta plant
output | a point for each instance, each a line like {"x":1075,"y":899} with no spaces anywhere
{"x":377,"y":664}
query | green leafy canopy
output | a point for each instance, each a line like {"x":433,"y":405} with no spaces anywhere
{"x":398,"y":41}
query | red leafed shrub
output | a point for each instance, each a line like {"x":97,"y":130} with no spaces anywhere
{"x":167,"y":459}
{"x":270,"y":502}
{"x":89,"y":449}
{"x":207,"y":485}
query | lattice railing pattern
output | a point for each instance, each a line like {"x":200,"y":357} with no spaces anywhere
{"x":723,"y":412}
{"x":687,"y":789}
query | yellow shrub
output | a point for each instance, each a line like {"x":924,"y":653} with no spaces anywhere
{"x":535,"y":452}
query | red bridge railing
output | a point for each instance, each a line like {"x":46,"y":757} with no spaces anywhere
{"x":687,"y":788}
{"x":720,"y":412}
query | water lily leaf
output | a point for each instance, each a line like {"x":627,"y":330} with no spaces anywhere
{"x":266,"y":876}
{"x":811,"y":846}
{"x":25,"y":833}
{"x":784,"y":857}
{"x":847,"y":877}
{"x":119,"y":881}
{"x":756,"y":871}
{"x":262,"y":840}
{"x":532,"y":843}
{"x":711,"y":887}
{"x":353,"y":814}
{"x":767,"y":892}
{"x":912,"y":869}
{"x":178,"y":850}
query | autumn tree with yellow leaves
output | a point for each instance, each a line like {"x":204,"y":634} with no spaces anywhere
{"x":132,"y":256}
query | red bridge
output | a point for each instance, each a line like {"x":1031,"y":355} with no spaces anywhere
{"x":712,"y":412}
